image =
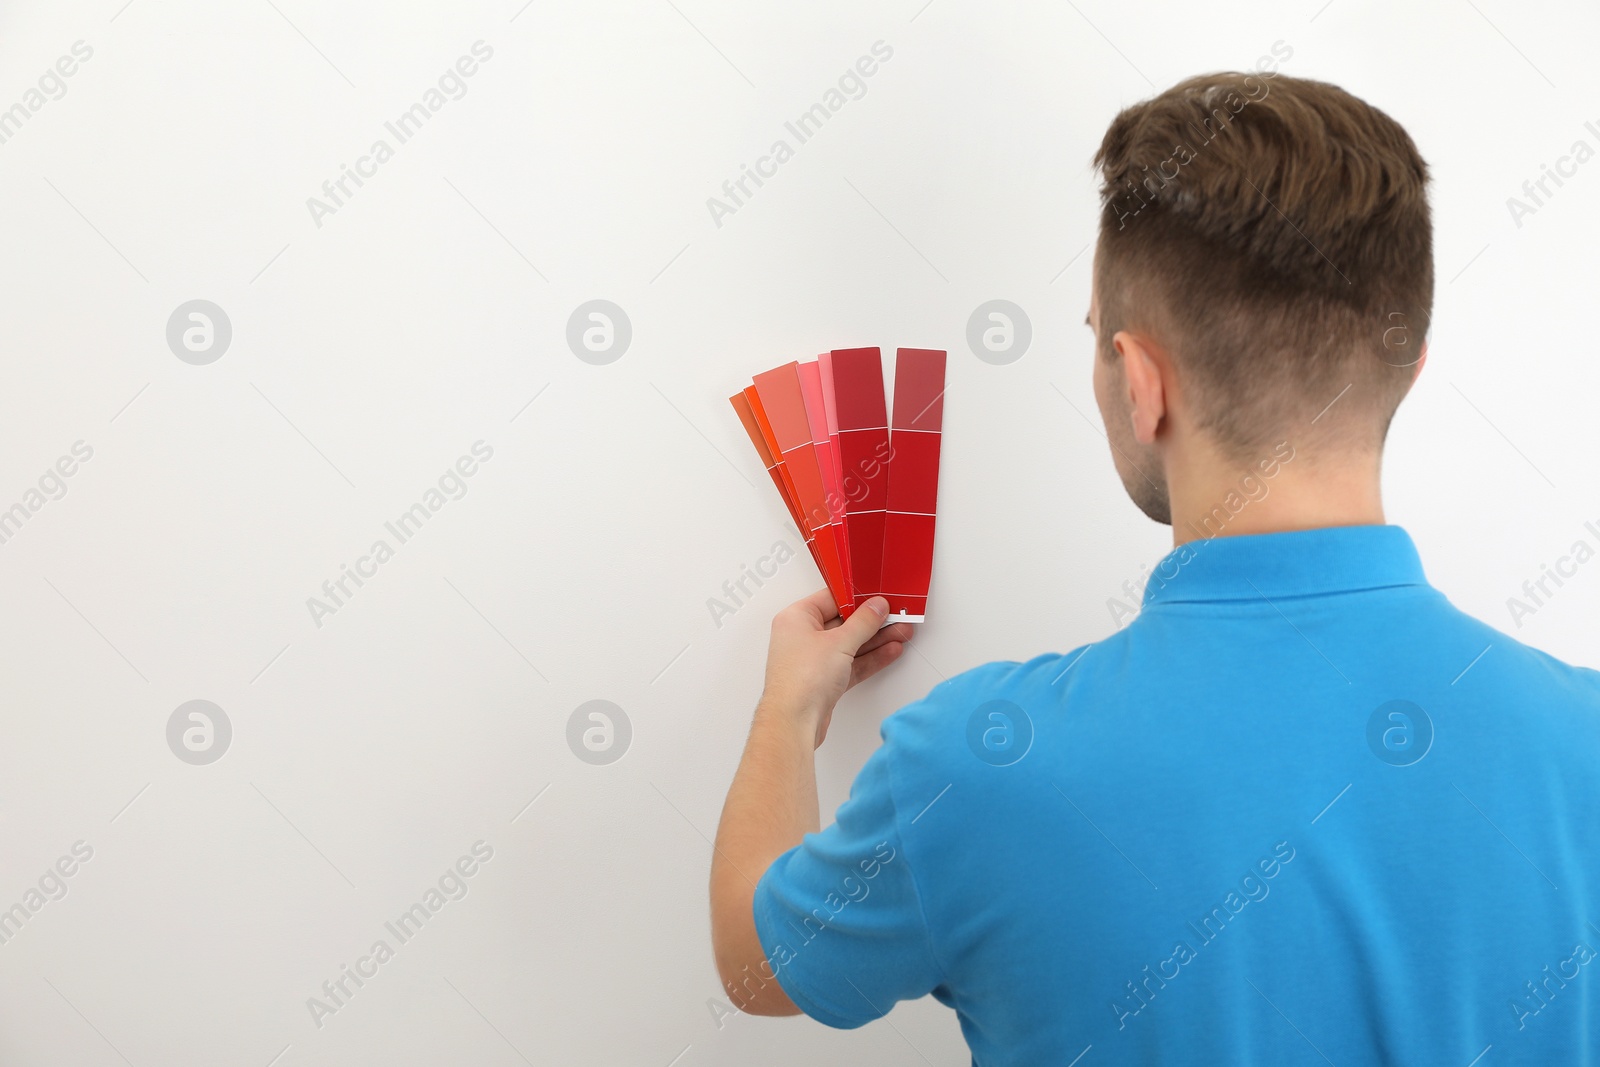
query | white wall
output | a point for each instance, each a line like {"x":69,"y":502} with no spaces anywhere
{"x":368,"y":353}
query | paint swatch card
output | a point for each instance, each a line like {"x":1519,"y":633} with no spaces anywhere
{"x":914,"y":439}
{"x":863,"y":420}
{"x":862,"y":488}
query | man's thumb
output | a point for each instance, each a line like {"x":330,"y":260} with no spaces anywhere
{"x":864,"y":622}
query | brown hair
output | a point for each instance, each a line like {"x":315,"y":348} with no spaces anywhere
{"x":1274,"y":234}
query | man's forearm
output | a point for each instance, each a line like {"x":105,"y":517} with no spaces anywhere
{"x":771,"y":805}
{"x":815,"y":656}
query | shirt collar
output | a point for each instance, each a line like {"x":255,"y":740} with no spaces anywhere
{"x":1331,"y":559}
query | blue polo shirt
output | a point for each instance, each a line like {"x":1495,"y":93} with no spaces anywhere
{"x":1300,"y":811}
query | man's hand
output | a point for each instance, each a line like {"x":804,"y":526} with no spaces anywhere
{"x":815,"y":656}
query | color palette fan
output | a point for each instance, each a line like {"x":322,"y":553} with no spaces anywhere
{"x":860,"y":481}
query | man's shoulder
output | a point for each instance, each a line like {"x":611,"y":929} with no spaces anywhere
{"x":956,"y":703}
{"x":1522,"y":664}
{"x":1548,"y":684}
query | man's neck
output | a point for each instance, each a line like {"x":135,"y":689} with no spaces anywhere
{"x":1283,"y":490}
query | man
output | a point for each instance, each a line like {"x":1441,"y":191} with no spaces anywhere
{"x":1300,"y":810}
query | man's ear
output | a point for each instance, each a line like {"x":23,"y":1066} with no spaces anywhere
{"x":1147,"y":397}
{"x":1422,"y":357}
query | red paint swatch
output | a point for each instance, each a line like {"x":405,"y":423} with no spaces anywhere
{"x":822,"y":443}
{"x":863,"y":455}
{"x":914,"y":439}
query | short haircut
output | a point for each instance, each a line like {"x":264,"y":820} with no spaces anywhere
{"x":1274,"y":234}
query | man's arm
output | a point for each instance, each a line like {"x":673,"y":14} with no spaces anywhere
{"x":814,"y":657}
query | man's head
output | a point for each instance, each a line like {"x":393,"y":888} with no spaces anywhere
{"x":1265,"y":250}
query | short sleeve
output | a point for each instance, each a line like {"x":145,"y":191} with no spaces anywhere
{"x":839,"y":916}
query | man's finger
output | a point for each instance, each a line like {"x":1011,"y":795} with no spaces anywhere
{"x":820,"y":606}
{"x":860,"y":626}
{"x":870,"y":663}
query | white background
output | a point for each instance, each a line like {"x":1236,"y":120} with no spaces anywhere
{"x":371,"y":752}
